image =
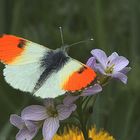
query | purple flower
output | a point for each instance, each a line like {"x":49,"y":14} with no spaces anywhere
{"x":50,"y":113}
{"x":27,"y":129}
{"x":113,"y":66}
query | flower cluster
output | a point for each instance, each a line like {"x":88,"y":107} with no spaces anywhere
{"x":49,"y":116}
{"x":113,"y":66}
{"x":34,"y":116}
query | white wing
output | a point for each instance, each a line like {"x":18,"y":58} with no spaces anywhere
{"x":23,"y":77}
{"x":24,"y":72}
{"x":53,"y":86}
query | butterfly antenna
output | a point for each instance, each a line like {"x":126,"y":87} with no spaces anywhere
{"x":61,"y":33}
{"x":82,"y":41}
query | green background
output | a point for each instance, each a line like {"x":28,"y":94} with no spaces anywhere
{"x":114,"y":25}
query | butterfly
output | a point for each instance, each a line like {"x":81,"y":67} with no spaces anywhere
{"x":44,"y":72}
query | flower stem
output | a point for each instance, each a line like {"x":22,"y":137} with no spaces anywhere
{"x":85,"y":134}
{"x":82,"y":120}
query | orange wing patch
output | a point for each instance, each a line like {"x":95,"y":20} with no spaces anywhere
{"x":79,"y":79}
{"x":10,"y":48}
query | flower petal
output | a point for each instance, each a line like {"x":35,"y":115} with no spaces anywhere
{"x":120,"y":76}
{"x":50,"y":127}
{"x":32,"y":128}
{"x":92,"y":90}
{"x":91,"y":61}
{"x":125,"y":70}
{"x":65,"y":111}
{"x":119,"y":62}
{"x":112,"y":56}
{"x":99,"y":68}
{"x":24,"y":134}
{"x":34,"y":113}
{"x":30,"y":125}
{"x":70,"y":99}
{"x":100,"y":56}
{"x":16,"y":121}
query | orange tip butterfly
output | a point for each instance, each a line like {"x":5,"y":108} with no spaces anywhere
{"x":44,"y":72}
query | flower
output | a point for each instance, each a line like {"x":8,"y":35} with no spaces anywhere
{"x":50,"y":114}
{"x":113,"y":66}
{"x":27,"y":129}
{"x":76,"y":134}
{"x":101,"y":135}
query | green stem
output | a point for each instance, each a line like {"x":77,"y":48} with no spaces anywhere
{"x":82,"y":120}
{"x":85,"y":134}
{"x":94,"y":101}
{"x":86,"y":102}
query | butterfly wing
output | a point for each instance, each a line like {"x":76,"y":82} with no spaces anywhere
{"x":46,"y":73}
{"x":23,"y":77}
{"x":18,"y":51}
{"x":71,"y":77}
{"x":22,"y":59}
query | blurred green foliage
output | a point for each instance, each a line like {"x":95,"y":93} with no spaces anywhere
{"x":114,"y":25}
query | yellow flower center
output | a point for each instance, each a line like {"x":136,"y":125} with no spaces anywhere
{"x":109,"y":70}
{"x":52,"y":111}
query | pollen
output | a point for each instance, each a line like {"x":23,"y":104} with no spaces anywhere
{"x":109,"y":69}
{"x":52,"y":111}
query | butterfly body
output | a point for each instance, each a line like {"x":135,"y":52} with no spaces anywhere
{"x":42,"y":71}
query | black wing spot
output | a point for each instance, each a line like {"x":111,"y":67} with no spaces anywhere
{"x":21,"y":43}
{"x":82,"y":69}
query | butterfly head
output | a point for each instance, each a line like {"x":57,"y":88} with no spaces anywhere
{"x":64,"y":48}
